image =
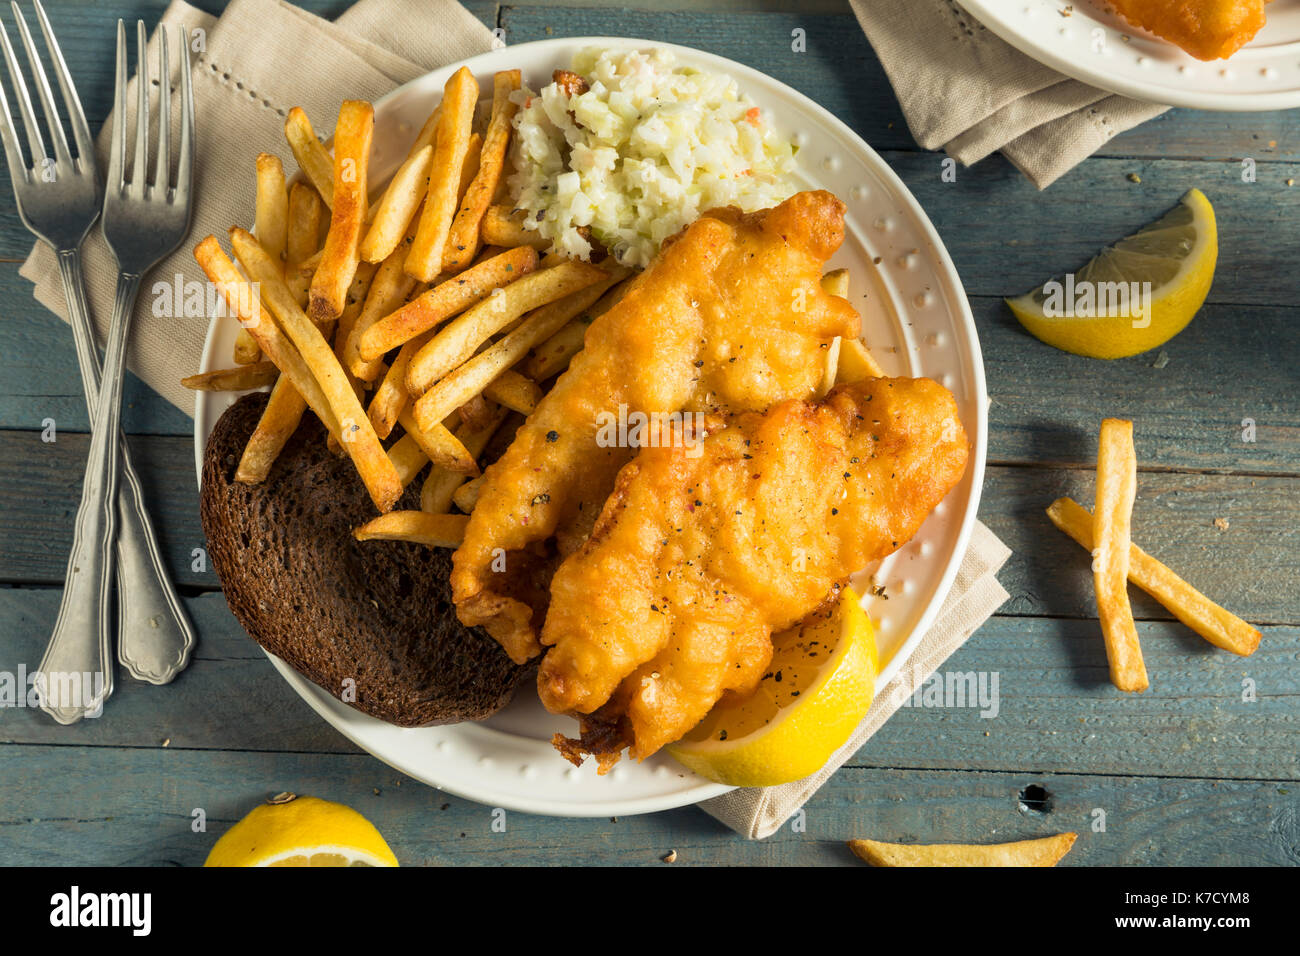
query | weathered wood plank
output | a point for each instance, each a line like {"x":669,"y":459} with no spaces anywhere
{"x":1230,"y":365}
{"x":1051,"y":709}
{"x":144,"y":801}
{"x":42,"y":487}
{"x":1252,"y":567}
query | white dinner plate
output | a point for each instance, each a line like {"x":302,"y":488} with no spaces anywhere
{"x":1096,"y":45}
{"x":917,"y":322}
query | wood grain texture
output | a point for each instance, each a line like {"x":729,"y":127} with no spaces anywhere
{"x":145,"y":800}
{"x":1252,"y":567}
{"x":1051,"y":708}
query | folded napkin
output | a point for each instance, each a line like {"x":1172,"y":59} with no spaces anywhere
{"x":242,"y":91}
{"x":970,"y":93}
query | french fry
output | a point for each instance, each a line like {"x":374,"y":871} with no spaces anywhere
{"x":553,"y":356}
{"x":836,"y":282}
{"x":440,"y":484}
{"x":428,"y":135}
{"x":448,"y":394}
{"x":391,"y":396}
{"x":456,"y":342}
{"x":516,"y":392}
{"x":474,"y":412}
{"x":356,"y":433}
{"x":272,"y":221}
{"x":1217,"y":625}
{"x":831,"y":369}
{"x":1116,"y":490}
{"x":301,"y":238}
{"x":464,"y":238}
{"x":445,"y":300}
{"x":299,"y":277}
{"x":279,"y":421}
{"x":388,"y":292}
{"x":416,"y":527}
{"x":239,"y":379}
{"x":243,"y":301}
{"x":1046,"y":851}
{"x":313,"y":158}
{"x":408,"y":458}
{"x":466,"y":496}
{"x":460,"y":96}
{"x":352,"y":138}
{"x":503,"y":227}
{"x":439,"y":445}
{"x":245,"y":350}
{"x":856,"y":363}
{"x":396,"y":211}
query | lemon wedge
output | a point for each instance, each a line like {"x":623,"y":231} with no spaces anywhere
{"x":1136,"y":294}
{"x":816,"y":691}
{"x":302,"y":831}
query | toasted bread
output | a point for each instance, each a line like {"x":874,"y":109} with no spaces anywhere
{"x":371,"y":619}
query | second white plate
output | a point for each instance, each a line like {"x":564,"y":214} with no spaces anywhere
{"x":1087,"y":40}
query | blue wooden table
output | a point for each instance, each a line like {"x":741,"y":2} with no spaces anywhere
{"x":1200,"y":769}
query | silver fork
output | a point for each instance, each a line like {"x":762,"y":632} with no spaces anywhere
{"x":59,"y":200}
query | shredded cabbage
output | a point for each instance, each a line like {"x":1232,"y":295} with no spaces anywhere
{"x":641,"y":154}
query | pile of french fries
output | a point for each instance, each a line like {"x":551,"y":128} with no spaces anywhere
{"x":419,"y":314}
{"x":1116,"y":561}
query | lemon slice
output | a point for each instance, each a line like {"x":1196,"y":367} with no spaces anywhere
{"x":302,"y":831}
{"x":1136,"y":294}
{"x":816,"y":691}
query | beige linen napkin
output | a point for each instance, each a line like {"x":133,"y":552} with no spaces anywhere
{"x":970,"y":93}
{"x":259,"y":59}
{"x":262,"y":57}
{"x":756,"y":813}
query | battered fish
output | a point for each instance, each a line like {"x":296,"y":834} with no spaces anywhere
{"x":1207,"y":29}
{"x":697,"y":558}
{"x":731,"y":317}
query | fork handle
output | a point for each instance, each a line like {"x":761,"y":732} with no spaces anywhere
{"x":155,"y":636}
{"x":82,"y":635}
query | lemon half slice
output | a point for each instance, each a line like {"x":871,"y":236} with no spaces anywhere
{"x":815,"y":692}
{"x":304,"y":831}
{"x":1136,"y":294}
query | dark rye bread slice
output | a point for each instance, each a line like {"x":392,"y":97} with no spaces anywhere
{"x":332,"y":607}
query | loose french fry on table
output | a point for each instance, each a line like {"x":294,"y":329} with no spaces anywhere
{"x":460,"y":96}
{"x":352,"y":138}
{"x":444,"y":300}
{"x":464,"y":238}
{"x":1116,"y":491}
{"x":356,"y":435}
{"x":417,"y":527}
{"x":1216,"y":624}
{"x":1046,"y":851}
{"x":460,"y":338}
{"x":313,"y":158}
{"x":241,"y":379}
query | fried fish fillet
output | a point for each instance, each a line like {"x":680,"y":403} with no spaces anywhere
{"x":697,"y":558}
{"x":730,"y":317}
{"x":1207,"y":29}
